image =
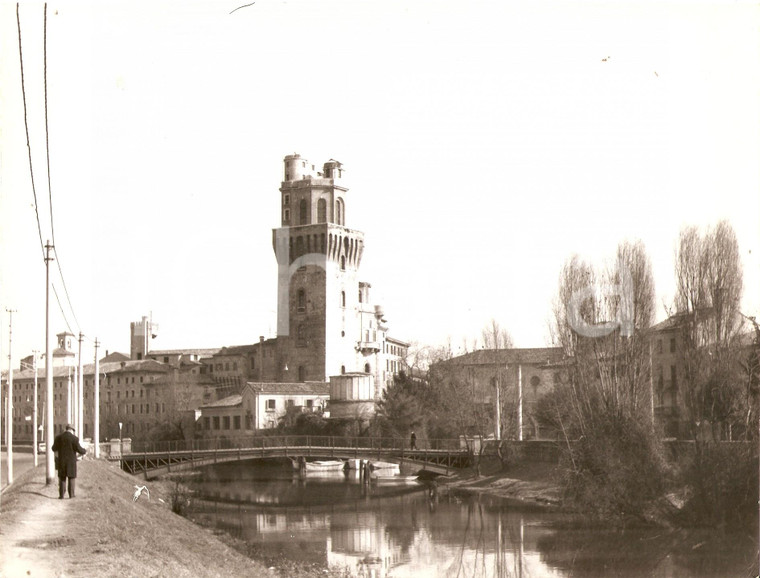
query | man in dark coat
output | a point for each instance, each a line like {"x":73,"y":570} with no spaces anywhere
{"x":66,"y":446}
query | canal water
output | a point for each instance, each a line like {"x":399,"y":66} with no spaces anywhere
{"x":393,"y":528}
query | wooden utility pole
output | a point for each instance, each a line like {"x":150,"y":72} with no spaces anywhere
{"x":497,"y":408}
{"x":519,"y":403}
{"x":35,"y":417}
{"x":96,"y":395}
{"x":9,"y":411}
{"x":49,"y":462}
{"x":80,"y":394}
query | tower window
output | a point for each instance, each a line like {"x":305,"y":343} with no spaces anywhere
{"x":286,"y":215}
{"x":366,"y":368}
{"x":301,"y":300}
{"x":303,"y":212}
{"x":321,"y":211}
{"x":342,"y":369}
{"x":301,"y":336}
{"x":286,"y":200}
{"x":339,"y":212}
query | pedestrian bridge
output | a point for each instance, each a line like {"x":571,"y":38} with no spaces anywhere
{"x":157,"y":458}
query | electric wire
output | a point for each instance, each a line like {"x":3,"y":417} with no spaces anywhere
{"x":26,"y":126}
{"x":63,"y":281}
{"x":31,"y":167}
{"x":50,"y":187}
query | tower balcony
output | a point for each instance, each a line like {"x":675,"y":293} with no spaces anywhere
{"x":368,"y":346}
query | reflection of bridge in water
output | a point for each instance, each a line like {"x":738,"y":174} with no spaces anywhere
{"x":156,"y":458}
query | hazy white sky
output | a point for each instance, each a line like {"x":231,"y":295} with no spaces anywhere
{"x":485,"y":142}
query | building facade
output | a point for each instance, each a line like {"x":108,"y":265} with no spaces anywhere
{"x":522,"y":377}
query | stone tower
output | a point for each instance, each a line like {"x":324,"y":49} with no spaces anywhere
{"x":140,"y":334}
{"x":318,"y":260}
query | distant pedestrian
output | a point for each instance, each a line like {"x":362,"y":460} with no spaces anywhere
{"x":66,"y":447}
{"x":413,"y":441}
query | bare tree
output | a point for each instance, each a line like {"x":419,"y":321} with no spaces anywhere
{"x":709,"y":281}
{"x":495,"y":336}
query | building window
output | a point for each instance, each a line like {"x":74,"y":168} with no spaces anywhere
{"x":672,"y":345}
{"x":342,"y":369}
{"x":216,"y":422}
{"x":303,"y":213}
{"x":301,"y":336}
{"x":361,"y":297}
{"x":301,"y":301}
{"x":166,"y":359}
{"x":286,"y":215}
{"x":342,"y":298}
{"x":339,"y":211}
{"x":236,"y":422}
{"x":286,"y":200}
{"x":367,"y":368}
{"x":673,"y":376}
{"x":301,"y":373}
{"x":309,"y":403}
{"x":342,"y":262}
{"x":271,"y":404}
{"x":321,"y":211}
{"x":659,"y":346}
{"x":226,"y":422}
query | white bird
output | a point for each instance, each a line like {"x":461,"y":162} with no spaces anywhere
{"x":139,"y":490}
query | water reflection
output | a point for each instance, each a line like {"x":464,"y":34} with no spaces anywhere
{"x":378,"y":531}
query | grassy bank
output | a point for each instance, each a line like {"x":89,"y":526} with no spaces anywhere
{"x":102,"y":532}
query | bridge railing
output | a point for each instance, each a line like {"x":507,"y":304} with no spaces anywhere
{"x":293,"y":441}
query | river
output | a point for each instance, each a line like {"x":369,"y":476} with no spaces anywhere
{"x":393,"y":529}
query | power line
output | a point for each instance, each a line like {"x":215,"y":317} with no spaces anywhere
{"x":26,"y":126}
{"x":66,"y":321}
{"x":71,"y":307}
{"x":50,"y":187}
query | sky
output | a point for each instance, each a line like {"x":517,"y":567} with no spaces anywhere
{"x":484,"y":144}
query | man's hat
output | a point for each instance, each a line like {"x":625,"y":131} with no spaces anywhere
{"x":69,"y":426}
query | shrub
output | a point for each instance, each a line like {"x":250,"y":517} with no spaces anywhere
{"x":615,"y":471}
{"x":723,"y":483}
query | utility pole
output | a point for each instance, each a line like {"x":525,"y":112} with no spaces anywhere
{"x":35,"y":417}
{"x":9,"y":412}
{"x":497,"y":408}
{"x":80,"y":394}
{"x":519,"y":403}
{"x":96,"y":395}
{"x":69,"y":397}
{"x":49,"y":463}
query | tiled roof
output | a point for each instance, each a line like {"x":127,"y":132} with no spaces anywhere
{"x":534,"y":356}
{"x":213,"y":351}
{"x":304,"y":388}
{"x":230,"y":401}
{"x":115,"y":356}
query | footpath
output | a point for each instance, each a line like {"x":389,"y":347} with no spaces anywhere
{"x":103,"y":532}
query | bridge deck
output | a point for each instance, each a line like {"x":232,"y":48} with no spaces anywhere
{"x":154,"y":463}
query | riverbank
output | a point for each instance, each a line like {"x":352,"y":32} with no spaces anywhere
{"x":533,"y":485}
{"x":103,"y":532}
